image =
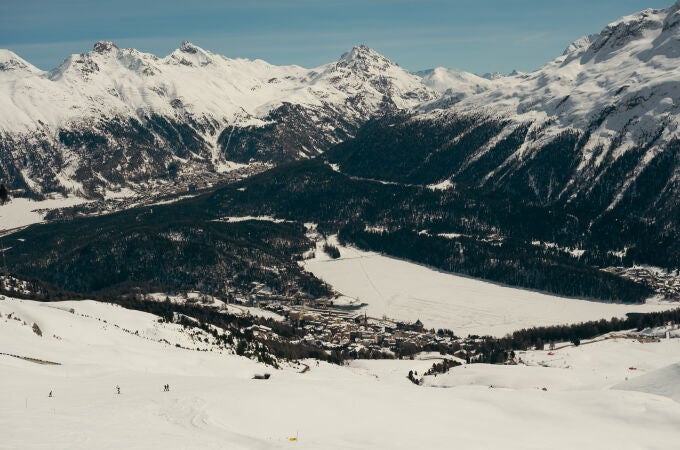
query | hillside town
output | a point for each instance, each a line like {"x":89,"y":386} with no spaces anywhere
{"x":322,"y":324}
{"x":665,"y":283}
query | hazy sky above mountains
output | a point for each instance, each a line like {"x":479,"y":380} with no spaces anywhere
{"x":474,"y":35}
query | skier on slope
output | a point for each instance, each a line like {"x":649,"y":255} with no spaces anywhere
{"x":118,"y":389}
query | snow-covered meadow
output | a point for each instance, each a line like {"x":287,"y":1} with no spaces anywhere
{"x":214,"y":402}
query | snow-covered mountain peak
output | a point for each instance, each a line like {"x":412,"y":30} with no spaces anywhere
{"x":362,"y":52}
{"x":633,"y":60}
{"x":580,"y":45}
{"x":104,"y":47}
{"x":372,"y":79}
{"x":188,"y":47}
{"x":454,"y":82}
{"x":108,"y":58}
{"x":627,"y":30}
{"x":364,"y":59}
{"x":11,"y":62}
{"x":190,"y":55}
{"x":673,"y":16}
{"x":7,"y":55}
{"x":491,"y":76}
{"x":192,"y":49}
{"x":82,"y":65}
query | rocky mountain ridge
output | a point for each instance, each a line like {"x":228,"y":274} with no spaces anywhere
{"x":118,"y":118}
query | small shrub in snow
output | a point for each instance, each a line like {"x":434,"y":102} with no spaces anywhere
{"x":331,"y":250}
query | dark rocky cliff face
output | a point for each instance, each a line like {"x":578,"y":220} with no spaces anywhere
{"x":108,"y":154}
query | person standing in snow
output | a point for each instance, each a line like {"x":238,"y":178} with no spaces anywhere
{"x":118,"y":389}
{"x":50,"y":395}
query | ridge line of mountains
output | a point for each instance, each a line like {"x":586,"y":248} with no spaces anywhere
{"x":117,"y":118}
{"x":583,"y":153}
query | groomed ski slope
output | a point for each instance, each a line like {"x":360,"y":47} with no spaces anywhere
{"x":406,"y":291}
{"x":214,"y":403}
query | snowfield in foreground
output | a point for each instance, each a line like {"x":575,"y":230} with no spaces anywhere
{"x":407,"y":291}
{"x":214,"y":403}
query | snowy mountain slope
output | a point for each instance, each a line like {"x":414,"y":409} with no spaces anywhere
{"x":619,"y":91}
{"x":214,"y":402}
{"x":119,"y":113}
{"x":661,"y":382}
{"x":595,"y":132}
{"x":629,"y":68}
{"x":614,"y":363}
{"x":362,"y":84}
{"x":454,"y":83}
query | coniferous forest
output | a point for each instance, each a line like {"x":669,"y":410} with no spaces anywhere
{"x":192,"y":245}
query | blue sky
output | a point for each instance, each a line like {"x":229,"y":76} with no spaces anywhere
{"x":474,"y":35}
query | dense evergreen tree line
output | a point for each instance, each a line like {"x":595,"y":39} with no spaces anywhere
{"x":495,"y":350}
{"x":528,"y":338}
{"x":442,"y":367}
{"x":165,"y":249}
{"x":182,"y":246}
{"x":185,"y":245}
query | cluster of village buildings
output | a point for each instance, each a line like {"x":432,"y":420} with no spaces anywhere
{"x":331,"y":328}
{"x":334,"y":327}
{"x":665,"y":283}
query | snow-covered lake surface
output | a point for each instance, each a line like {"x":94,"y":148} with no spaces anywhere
{"x":214,"y":403}
{"x":20,"y":211}
{"x":407,"y":291}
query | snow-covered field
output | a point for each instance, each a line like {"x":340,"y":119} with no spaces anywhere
{"x":407,"y":291}
{"x":215,"y":403}
{"x":20,"y":211}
